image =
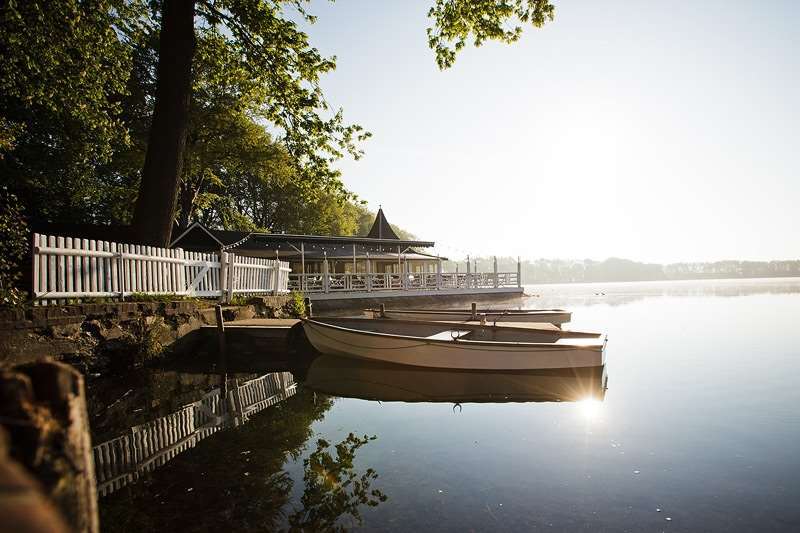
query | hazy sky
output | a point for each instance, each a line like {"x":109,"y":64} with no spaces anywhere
{"x":652,"y":130}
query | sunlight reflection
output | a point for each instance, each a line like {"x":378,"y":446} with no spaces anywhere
{"x":590,"y":408}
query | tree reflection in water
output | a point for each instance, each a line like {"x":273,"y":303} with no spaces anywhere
{"x":333,"y":488}
{"x":235,"y":480}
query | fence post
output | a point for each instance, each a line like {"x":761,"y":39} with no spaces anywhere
{"x":277,"y":284}
{"x":223,"y":274}
{"x":231,"y":277}
{"x":35,"y":255}
{"x":182,"y":271}
{"x":121,"y":270}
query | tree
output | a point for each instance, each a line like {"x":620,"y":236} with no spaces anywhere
{"x":456,"y":21}
{"x":270,"y":47}
{"x":62,"y":69}
{"x":269,"y":42}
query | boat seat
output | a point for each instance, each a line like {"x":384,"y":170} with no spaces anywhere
{"x":449,"y":335}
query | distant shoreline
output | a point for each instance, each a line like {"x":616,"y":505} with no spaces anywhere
{"x":595,"y":282}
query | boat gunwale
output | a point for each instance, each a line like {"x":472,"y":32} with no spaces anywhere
{"x":502,"y":312}
{"x":465,"y":343}
{"x":473,"y":324}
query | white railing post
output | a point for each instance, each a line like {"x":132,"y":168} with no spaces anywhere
{"x":326,"y":277}
{"x":369,"y":274}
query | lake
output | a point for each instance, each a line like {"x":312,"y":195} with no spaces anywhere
{"x":698,"y":430}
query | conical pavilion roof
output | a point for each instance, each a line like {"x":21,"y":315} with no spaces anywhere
{"x":381,"y":228}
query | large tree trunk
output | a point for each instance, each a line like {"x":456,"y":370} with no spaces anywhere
{"x":155,"y":206}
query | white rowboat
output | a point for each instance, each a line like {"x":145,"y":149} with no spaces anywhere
{"x":550,"y":316}
{"x":455,"y":345}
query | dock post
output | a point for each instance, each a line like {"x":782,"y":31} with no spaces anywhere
{"x":468,"y":279}
{"x":495,"y":272}
{"x":474,"y":311}
{"x":519,"y":273}
{"x":439,"y":274}
{"x":223,"y":356}
{"x":308,"y":304}
{"x":383,"y":310}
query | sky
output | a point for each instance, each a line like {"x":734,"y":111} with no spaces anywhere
{"x":655,"y":131}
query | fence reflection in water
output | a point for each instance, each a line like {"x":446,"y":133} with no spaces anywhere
{"x":145,"y":447}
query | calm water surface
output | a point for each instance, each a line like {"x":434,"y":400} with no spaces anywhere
{"x":698,"y":430}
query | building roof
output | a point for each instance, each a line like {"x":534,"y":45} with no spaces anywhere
{"x":381,"y":229}
{"x":199,"y":237}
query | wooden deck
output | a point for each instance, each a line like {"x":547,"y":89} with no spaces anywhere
{"x":281,"y":323}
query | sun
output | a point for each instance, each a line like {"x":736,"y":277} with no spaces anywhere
{"x":590,"y":408}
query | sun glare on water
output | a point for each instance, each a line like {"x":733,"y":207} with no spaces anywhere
{"x":590,"y":408}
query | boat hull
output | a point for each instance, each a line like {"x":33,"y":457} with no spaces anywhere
{"x":460,"y":354}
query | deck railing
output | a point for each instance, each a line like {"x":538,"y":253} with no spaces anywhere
{"x":66,"y":268}
{"x":419,"y":281}
{"x":145,"y":447}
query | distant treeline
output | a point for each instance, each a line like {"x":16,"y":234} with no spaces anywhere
{"x":615,"y":269}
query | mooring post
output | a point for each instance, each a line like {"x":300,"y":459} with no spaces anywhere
{"x":474,"y":311}
{"x":308,"y":305}
{"x":519,"y":272}
{"x":46,"y":398}
{"x":383,"y":310}
{"x":223,"y":355}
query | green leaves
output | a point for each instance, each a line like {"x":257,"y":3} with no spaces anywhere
{"x":456,"y":21}
{"x":62,"y":71}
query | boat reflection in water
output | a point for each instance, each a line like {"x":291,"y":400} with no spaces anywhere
{"x":370,"y":380}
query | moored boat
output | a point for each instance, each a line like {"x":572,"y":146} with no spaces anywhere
{"x":457,"y":345}
{"x":550,"y":316}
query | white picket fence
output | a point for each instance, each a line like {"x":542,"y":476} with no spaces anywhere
{"x":66,"y":268}
{"x":143,"y":448}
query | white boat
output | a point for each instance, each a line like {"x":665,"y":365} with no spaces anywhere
{"x":548,"y":316}
{"x":458,"y":345}
{"x":373,"y":380}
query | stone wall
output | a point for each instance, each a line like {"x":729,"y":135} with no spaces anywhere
{"x":96,"y":337}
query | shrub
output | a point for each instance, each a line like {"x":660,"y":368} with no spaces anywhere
{"x":13,"y":249}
